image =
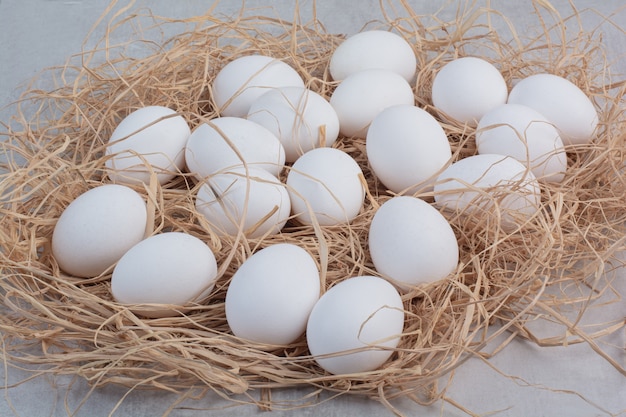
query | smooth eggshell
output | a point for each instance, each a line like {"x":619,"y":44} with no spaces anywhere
{"x":364,"y":313}
{"x":325,"y":184}
{"x":97,"y":228}
{"x":406,"y":146}
{"x":562,"y":103}
{"x":373,"y":49}
{"x":246,"y":78}
{"x":162,"y":274}
{"x":226,"y":142}
{"x":272,"y":293}
{"x":254,"y":199}
{"x":411,"y":242}
{"x":526,"y":135}
{"x":155,"y":134}
{"x":300,"y":118}
{"x":360,"y":97}
{"x":466,"y":88}
{"x":490,"y":185}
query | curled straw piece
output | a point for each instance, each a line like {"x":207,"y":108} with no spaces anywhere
{"x":72,"y":326}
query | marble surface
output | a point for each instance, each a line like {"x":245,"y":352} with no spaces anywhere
{"x":521,"y":380}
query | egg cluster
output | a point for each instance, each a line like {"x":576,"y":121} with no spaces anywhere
{"x":271,"y":123}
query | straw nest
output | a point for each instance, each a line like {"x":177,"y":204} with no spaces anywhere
{"x":552,"y":265}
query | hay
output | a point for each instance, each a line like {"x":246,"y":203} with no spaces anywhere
{"x":550,"y":267}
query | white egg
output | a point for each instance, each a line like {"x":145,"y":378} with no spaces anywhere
{"x":562,"y":103}
{"x":406,"y":146}
{"x":325,"y":184}
{"x":150,"y":139}
{"x":373,"y":49}
{"x":226,"y":142}
{"x":245,"y":79}
{"x":161,"y":275}
{"x":271,"y":295}
{"x":361,"y":96}
{"x":526,"y":135}
{"x":254,"y":200}
{"x":97,"y":228}
{"x":411,"y":242}
{"x":466,"y":88}
{"x":300,"y":118}
{"x":490,"y":185}
{"x":355,"y":325}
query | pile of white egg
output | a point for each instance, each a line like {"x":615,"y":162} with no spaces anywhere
{"x":271,"y":124}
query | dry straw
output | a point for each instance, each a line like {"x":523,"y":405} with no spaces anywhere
{"x":552,"y":268}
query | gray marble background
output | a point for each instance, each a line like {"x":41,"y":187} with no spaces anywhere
{"x":572,"y":381}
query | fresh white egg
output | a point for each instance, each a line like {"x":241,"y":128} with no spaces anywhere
{"x":355,"y":325}
{"x":150,"y":139}
{"x":325,"y":184}
{"x":272,"y":293}
{"x":164,"y":274}
{"x":300,"y":118}
{"x":360,"y":97}
{"x":246,"y":78}
{"x":226,"y":142}
{"x":373,"y":49}
{"x":496,"y":187}
{"x":562,"y":103}
{"x":466,"y":88}
{"x":526,"y":135}
{"x":253,"y":200}
{"x":406,"y":147}
{"x":412,"y":243}
{"x":97,"y":228}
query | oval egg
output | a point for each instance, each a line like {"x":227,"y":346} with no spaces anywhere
{"x":300,"y":118}
{"x":226,"y":142}
{"x":272,"y":293}
{"x":161,"y":275}
{"x":489,"y":185}
{"x":155,"y":134}
{"x":406,"y":146}
{"x":562,"y":103}
{"x":254,"y":200}
{"x":362,"y":312}
{"x":325,"y":184}
{"x":361,"y":96}
{"x":97,"y":228}
{"x":246,"y":78}
{"x":411,"y":242}
{"x":373,"y":49}
{"x":526,"y":135}
{"x":466,"y":88}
